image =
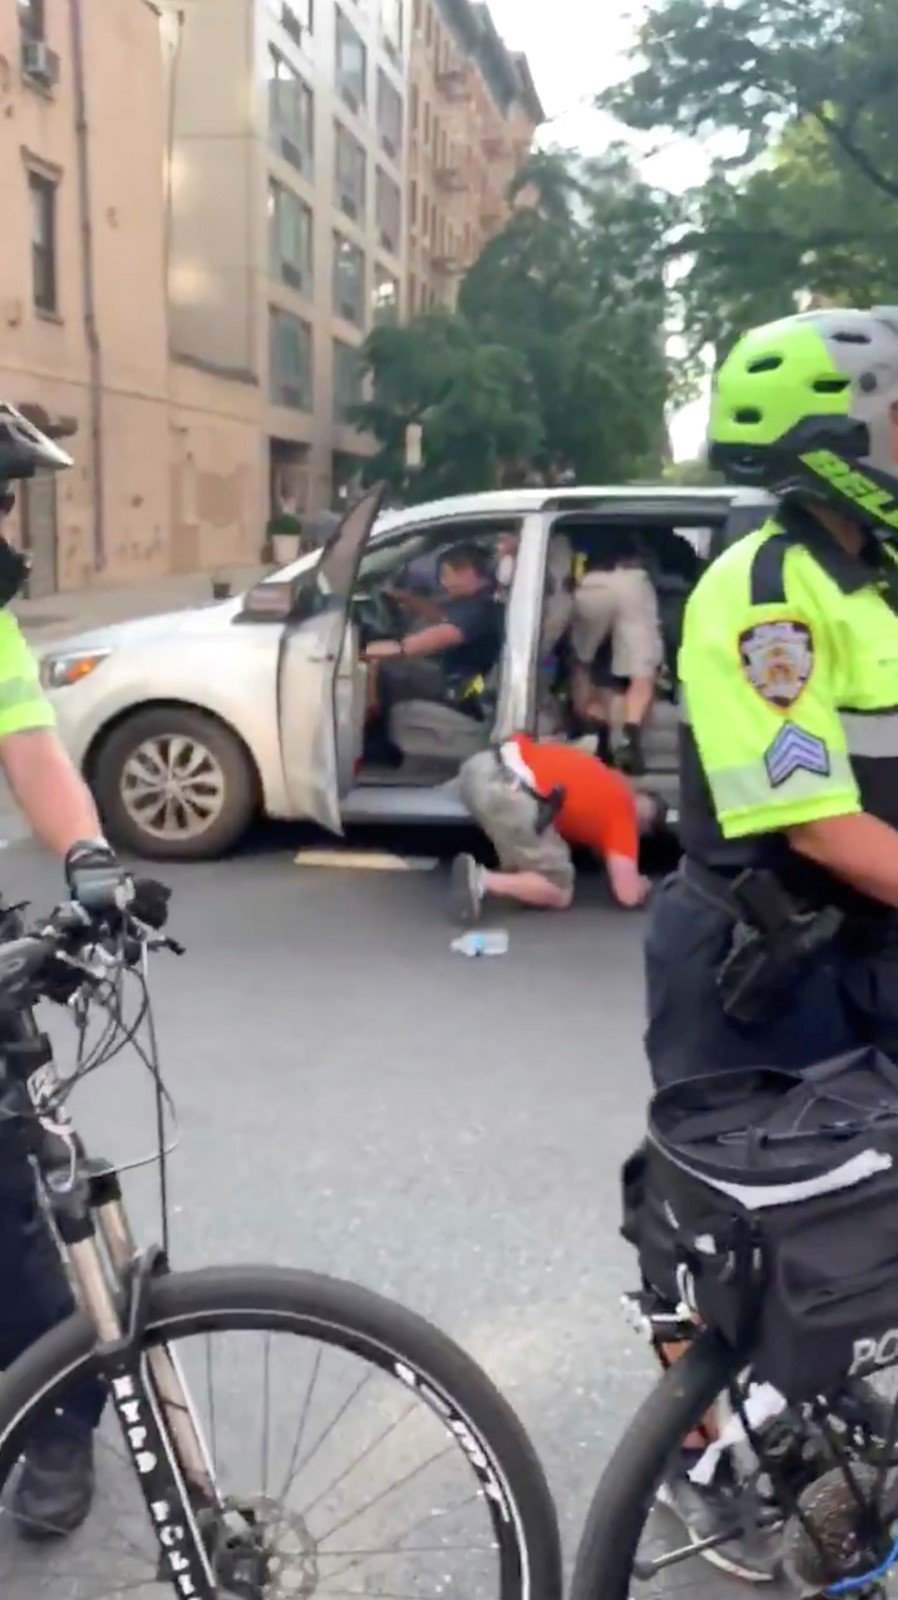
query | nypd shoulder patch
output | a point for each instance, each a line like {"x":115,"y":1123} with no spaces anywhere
{"x":777,"y":659}
{"x":795,"y":750}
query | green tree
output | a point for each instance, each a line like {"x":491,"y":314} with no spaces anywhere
{"x":805,"y":95}
{"x":575,"y":284}
{"x":474,"y":401}
{"x":555,"y":359}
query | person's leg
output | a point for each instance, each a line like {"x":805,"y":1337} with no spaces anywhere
{"x":535,"y":868}
{"x":637,"y":654}
{"x":55,"y":1488}
{"x":688,"y":1035}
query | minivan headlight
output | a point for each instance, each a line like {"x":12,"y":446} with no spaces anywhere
{"x":58,"y":671}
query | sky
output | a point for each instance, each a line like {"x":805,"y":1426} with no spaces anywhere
{"x":575,"y":49}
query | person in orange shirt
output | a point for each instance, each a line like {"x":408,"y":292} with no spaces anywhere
{"x":533,"y":801}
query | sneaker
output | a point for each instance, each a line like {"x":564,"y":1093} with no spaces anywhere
{"x":753,"y":1552}
{"x":467,"y":890}
{"x":55,"y":1490}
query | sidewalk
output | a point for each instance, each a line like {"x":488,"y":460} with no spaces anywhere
{"x":57,"y":615}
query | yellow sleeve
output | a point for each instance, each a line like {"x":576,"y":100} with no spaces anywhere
{"x":758,"y":692}
{"x":22,"y":702}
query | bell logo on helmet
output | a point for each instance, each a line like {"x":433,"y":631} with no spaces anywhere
{"x":877,"y":502}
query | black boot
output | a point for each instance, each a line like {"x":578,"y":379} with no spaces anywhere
{"x":55,"y":1490}
{"x":630,"y":757}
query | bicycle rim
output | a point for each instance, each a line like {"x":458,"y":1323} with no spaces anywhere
{"x":376,"y":1457}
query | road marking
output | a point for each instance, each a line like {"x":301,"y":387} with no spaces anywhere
{"x":365,"y":861}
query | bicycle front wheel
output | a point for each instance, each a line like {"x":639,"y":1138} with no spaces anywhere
{"x":375,"y":1455}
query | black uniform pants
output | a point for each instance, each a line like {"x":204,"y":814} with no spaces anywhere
{"x":35,"y":1293}
{"x":847,"y":999}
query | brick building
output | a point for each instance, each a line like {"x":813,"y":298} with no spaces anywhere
{"x":167,"y":463}
{"x":473,"y":110}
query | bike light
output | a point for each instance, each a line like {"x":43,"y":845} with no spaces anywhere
{"x":57,"y":672}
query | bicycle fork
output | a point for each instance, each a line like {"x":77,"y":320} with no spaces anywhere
{"x":159,"y":1424}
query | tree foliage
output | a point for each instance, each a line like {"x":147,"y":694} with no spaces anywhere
{"x":804,"y":96}
{"x":555,"y":359}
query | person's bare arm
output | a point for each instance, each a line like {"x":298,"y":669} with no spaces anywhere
{"x":49,"y":789}
{"x":857,"y":848}
{"x":628,"y":885}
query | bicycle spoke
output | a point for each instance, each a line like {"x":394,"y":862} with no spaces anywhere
{"x":322,"y":1437}
{"x":210,"y":1402}
{"x":292,"y":1468}
{"x":266,"y":1410}
{"x":362,"y":1456}
{"x":377,"y":1498}
{"x":395,"y":1544}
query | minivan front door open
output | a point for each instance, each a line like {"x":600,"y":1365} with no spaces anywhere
{"x":321,"y":681}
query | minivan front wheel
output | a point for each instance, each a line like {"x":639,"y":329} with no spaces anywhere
{"x":174,"y":784}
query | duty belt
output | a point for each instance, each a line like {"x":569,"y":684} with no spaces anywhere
{"x":548,"y":805}
{"x":774,"y":939}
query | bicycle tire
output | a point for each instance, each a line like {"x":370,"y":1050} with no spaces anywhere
{"x":345,"y":1315}
{"x":603,"y":1569}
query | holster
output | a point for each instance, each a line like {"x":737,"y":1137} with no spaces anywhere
{"x":547,"y":805}
{"x":774,"y":940}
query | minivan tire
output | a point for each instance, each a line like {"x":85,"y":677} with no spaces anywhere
{"x":240,"y":787}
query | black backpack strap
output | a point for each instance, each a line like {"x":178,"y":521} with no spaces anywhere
{"x":768,"y":582}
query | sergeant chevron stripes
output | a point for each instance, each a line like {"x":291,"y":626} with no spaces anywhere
{"x":795,"y":750}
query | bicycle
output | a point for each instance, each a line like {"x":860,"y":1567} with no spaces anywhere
{"x":227,"y":1482}
{"x":817,"y":1481}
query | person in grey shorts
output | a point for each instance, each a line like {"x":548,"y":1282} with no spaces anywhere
{"x":533,"y":801}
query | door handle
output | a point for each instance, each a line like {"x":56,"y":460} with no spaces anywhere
{"x":331,"y":657}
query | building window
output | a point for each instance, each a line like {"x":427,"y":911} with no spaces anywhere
{"x":296,"y":20}
{"x":31,"y":18}
{"x":290,"y":113}
{"x":290,"y":360}
{"x":347,"y":380}
{"x":389,"y":116}
{"x":385,"y":299}
{"x":412,"y":295}
{"x":42,"y":196}
{"x":349,"y":281}
{"x":351,"y":64}
{"x":413,"y":203}
{"x":391,"y":12}
{"x":388,"y":212}
{"x":428,"y":24}
{"x":349,"y":174}
{"x":425,"y":216}
{"x":427,"y":122}
{"x":289,"y":238}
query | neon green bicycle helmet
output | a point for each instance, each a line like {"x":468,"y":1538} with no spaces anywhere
{"x":808,"y":407}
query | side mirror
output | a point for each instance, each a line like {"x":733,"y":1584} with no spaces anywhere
{"x":280,"y":600}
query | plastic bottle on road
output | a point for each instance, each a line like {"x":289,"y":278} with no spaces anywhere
{"x":485,"y":942}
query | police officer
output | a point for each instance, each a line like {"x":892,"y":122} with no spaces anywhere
{"x":54,"y":1490}
{"x":777,"y":941}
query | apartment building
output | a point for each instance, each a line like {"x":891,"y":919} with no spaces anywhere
{"x":167,"y":465}
{"x":288,"y":232}
{"x":473,"y":110}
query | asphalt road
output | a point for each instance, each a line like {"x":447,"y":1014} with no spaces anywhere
{"x":354,"y":1098}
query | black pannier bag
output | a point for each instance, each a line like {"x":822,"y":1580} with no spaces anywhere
{"x":768,"y":1201}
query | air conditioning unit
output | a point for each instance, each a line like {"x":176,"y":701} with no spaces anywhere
{"x":40,"y":62}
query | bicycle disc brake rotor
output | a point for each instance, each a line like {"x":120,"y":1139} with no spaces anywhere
{"x":260,"y":1551}
{"x":828,"y":1542}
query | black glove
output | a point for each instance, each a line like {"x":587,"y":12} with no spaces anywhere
{"x":96,"y":878}
{"x":150,"y":903}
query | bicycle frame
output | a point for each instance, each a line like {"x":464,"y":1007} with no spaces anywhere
{"x":110,"y":1277}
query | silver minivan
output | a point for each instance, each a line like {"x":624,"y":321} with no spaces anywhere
{"x":188,"y":725}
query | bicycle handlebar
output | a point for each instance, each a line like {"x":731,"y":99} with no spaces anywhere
{"x":31,"y":962}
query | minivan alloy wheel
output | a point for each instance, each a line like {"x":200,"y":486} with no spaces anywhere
{"x":173,"y":787}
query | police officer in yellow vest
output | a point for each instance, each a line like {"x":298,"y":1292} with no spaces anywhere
{"x":777,"y":941}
